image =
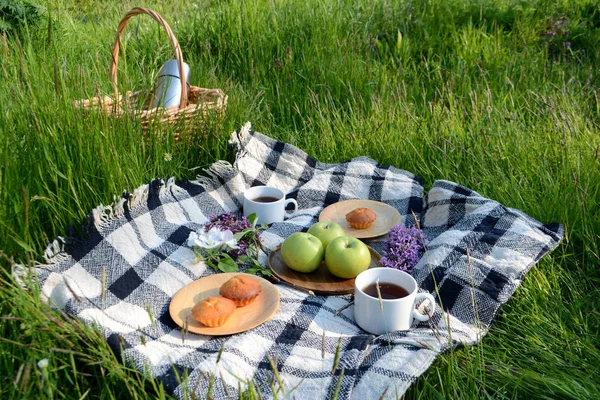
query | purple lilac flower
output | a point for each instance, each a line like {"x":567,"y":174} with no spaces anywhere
{"x":230,"y":222}
{"x":403,"y":248}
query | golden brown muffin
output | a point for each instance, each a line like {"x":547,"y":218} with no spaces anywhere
{"x":213,"y":311}
{"x":241,"y":289}
{"x":361,"y":218}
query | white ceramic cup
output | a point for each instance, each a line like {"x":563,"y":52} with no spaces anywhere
{"x":397,"y":314}
{"x":267,"y":211}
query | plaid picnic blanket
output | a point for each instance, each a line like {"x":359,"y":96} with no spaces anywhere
{"x":134,"y":258}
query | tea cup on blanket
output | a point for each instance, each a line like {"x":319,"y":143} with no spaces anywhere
{"x":396,"y":309}
{"x":268,"y":203}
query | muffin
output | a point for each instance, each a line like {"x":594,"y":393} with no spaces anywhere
{"x":213,"y":311}
{"x":241,"y":289}
{"x":361,"y":218}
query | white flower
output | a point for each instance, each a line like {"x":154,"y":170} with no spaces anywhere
{"x":42,"y":363}
{"x":191,"y":242}
{"x":212,"y":239}
{"x":232,"y":243}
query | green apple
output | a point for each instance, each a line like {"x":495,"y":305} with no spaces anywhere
{"x":326,"y":232}
{"x":346,"y":257}
{"x":302,"y":252}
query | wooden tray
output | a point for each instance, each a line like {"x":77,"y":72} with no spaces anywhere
{"x":242,"y":319}
{"x":320,"y":281}
{"x":387,"y":217}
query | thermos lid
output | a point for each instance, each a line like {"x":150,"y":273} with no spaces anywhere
{"x":172,"y":68}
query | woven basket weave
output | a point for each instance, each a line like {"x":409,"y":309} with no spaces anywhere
{"x":194,"y":103}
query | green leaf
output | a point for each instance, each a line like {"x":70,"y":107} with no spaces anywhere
{"x":242,"y":233}
{"x":226,"y":264}
{"x":259,"y":270}
{"x":252,"y":218}
{"x":226,"y":256}
{"x":257,"y":264}
{"x":243,"y":259}
{"x":211,"y":264}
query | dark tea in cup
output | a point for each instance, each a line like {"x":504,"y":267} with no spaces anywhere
{"x":388,"y":290}
{"x":265,"y":199}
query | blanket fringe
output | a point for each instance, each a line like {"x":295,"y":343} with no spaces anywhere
{"x":238,"y":137}
{"x":175,"y":189}
{"x":20,"y":274}
{"x":102,"y":215}
{"x":220,"y":170}
{"x":54,"y":253}
{"x":139,"y":196}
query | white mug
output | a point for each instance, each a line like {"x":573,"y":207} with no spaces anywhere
{"x":268,"y":203}
{"x":397,"y":314}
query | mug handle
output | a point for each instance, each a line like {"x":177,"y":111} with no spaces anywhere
{"x":293,"y":212}
{"x":425,"y":296}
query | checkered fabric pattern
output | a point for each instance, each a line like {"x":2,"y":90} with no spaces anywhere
{"x":134,"y":258}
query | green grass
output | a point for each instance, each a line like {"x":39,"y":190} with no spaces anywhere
{"x":499,"y":95}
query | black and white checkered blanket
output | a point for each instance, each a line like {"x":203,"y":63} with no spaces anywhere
{"x":134,"y":258}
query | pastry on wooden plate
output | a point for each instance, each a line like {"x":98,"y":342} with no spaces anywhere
{"x":361,"y":218}
{"x":213,"y":311}
{"x":242,"y":289}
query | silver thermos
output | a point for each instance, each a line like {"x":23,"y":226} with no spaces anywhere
{"x":168,"y":85}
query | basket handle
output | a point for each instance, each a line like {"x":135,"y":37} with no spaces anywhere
{"x":174,"y":43}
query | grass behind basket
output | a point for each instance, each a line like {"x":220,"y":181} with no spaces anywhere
{"x":501,"y":96}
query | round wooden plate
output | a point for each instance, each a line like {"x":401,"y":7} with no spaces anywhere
{"x":242,"y":319}
{"x":387,"y":217}
{"x":320,"y":281}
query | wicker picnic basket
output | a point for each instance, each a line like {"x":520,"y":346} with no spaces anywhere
{"x":195,"y":103}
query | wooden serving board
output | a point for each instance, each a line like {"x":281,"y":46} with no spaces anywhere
{"x":320,"y":281}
